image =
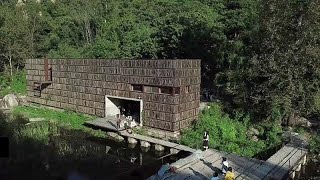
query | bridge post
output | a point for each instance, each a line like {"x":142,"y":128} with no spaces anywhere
{"x":304,"y":161}
{"x":293,"y":174}
{"x":298,"y":168}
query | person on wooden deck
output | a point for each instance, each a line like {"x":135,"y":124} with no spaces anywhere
{"x":225,"y":165}
{"x":229,"y":174}
{"x":205,"y":140}
{"x":215,"y":176}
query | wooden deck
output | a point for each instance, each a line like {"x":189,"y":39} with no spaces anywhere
{"x":157,"y":141}
{"x":110,"y":124}
{"x":203,"y":165}
{"x":107,"y":123}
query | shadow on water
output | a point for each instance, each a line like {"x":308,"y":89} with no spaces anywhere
{"x":46,"y":151}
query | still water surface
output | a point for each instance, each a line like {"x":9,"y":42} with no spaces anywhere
{"x":73,"y":154}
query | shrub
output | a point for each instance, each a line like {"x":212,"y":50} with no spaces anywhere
{"x":17,"y":84}
{"x":229,"y":134}
{"x":315,"y":144}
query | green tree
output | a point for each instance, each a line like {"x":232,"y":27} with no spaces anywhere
{"x":14,"y":39}
{"x":285,"y":68}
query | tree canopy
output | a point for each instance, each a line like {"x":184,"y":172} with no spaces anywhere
{"x":259,"y":57}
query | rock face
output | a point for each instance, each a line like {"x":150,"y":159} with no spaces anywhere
{"x":132,"y":140}
{"x":9,"y":101}
{"x":158,"y":147}
{"x":115,"y":136}
{"x":145,"y":144}
{"x":304,"y":122}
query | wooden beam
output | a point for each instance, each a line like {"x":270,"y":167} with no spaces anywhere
{"x":46,"y":69}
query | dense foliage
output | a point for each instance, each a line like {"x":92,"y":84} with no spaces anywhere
{"x":232,"y":135}
{"x":16,"y":83}
{"x":258,"y":57}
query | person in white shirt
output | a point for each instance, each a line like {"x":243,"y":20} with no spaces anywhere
{"x":205,"y":140}
{"x":225,"y":165}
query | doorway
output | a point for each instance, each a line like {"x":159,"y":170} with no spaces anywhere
{"x":125,"y":106}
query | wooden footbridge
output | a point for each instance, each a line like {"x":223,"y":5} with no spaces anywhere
{"x":202,"y":165}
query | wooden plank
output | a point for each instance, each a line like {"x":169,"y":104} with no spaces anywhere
{"x":285,"y":167}
{"x":157,"y":141}
{"x":106,"y":123}
{"x":207,"y":166}
{"x":259,"y":171}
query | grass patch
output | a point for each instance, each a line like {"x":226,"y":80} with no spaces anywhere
{"x":66,"y":119}
{"x":17,"y":84}
{"x":141,"y":131}
{"x":231,"y":135}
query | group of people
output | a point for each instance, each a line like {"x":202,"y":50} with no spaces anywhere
{"x":226,"y":169}
{"x":126,"y":118}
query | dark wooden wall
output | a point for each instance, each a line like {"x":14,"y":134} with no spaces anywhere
{"x":81,"y":85}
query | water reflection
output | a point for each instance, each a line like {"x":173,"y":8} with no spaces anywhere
{"x":76,"y":155}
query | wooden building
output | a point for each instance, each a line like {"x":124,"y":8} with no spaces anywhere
{"x":165,"y":92}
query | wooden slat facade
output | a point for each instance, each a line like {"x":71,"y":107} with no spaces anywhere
{"x":81,"y":85}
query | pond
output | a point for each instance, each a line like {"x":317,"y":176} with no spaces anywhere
{"x":75,"y":153}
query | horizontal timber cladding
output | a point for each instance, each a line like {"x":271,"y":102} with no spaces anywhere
{"x":82,"y":84}
{"x":155,"y":123}
{"x":187,"y":106}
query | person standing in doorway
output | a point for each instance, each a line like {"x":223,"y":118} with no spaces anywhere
{"x":205,"y":140}
{"x":118,"y":121}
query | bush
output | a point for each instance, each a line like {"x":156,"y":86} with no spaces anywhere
{"x":315,"y":144}
{"x":229,"y":134}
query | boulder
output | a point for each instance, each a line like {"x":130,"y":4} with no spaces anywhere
{"x":22,"y":100}
{"x":115,"y":136}
{"x":9,"y":101}
{"x":158,"y":147}
{"x":255,"y":138}
{"x":132,"y":140}
{"x":145,"y":149}
{"x":2,"y":104}
{"x":253,"y":132}
{"x":132,"y":146}
{"x":304,"y":122}
{"x":145,"y":144}
{"x":159,"y":153}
